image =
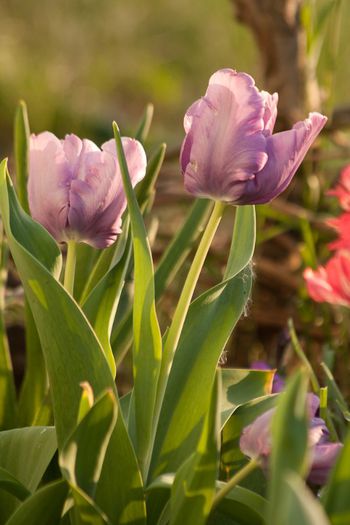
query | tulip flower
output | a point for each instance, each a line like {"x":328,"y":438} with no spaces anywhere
{"x":330,"y":283}
{"x":342,"y":226}
{"x":75,"y":190}
{"x":278,"y":383}
{"x":342,"y":190}
{"x":256,"y":442}
{"x":230,"y":153}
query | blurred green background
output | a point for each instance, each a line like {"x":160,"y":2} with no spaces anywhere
{"x":81,"y":63}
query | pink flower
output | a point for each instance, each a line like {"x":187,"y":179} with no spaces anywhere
{"x":256,"y":441}
{"x":229,"y":152}
{"x":342,"y":190}
{"x":330,"y":283}
{"x":75,"y":190}
{"x":342,"y":226}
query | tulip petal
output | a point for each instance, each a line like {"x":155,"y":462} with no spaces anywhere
{"x":270,"y":113}
{"x":256,"y":438}
{"x":324,"y":457}
{"x":225,"y":144}
{"x":48,"y":186}
{"x":97,"y":197}
{"x":286,"y":151}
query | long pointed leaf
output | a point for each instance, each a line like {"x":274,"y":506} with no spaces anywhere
{"x":147,"y":338}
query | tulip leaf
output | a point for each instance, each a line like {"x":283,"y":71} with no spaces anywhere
{"x":35,"y":384}
{"x":101,"y":304}
{"x":209,"y":323}
{"x":10,"y":484}
{"x":193,"y":489}
{"x":289,"y":433}
{"x":240,"y":506}
{"x":240,"y":386}
{"x":44,"y":506}
{"x":82,"y":457}
{"x":147,"y":348}
{"x":299,"y":504}
{"x":8,"y":405}
{"x":145,"y":124}
{"x":25,"y":454}
{"x":168,"y":266}
{"x":72,"y":353}
{"x":336,"y":499}
{"x":21,"y":144}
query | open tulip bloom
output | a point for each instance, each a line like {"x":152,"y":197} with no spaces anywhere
{"x":75,"y":190}
{"x":256,"y":441}
{"x":230,"y":153}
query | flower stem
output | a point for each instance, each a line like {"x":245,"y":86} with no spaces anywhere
{"x":69,"y":272}
{"x":237,"y":478}
{"x":181,"y":310}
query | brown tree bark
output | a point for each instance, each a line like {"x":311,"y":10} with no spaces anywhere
{"x":281,"y":41}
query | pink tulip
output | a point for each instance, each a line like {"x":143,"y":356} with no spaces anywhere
{"x":330,"y":283}
{"x":342,"y":226}
{"x":256,"y":441}
{"x":342,"y":190}
{"x":75,"y":190}
{"x":229,"y":152}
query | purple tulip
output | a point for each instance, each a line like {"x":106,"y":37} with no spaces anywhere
{"x":229,"y":152}
{"x":256,"y":441}
{"x":75,"y":190}
{"x":278,"y":383}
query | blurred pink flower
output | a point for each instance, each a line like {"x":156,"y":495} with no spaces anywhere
{"x":229,"y":152}
{"x":330,"y":283}
{"x":75,"y":190}
{"x":256,"y":441}
{"x":342,"y":226}
{"x":342,"y":190}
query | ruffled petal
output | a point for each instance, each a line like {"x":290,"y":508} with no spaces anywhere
{"x":270,"y":113}
{"x":342,"y":190}
{"x":49,"y":181}
{"x":286,"y":151}
{"x":256,"y":438}
{"x":225,"y":144}
{"x":324,"y":457}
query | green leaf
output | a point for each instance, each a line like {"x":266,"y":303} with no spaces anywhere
{"x":35,"y":386}
{"x":10,"y":484}
{"x":82,"y":457}
{"x":335,"y":498}
{"x":194,"y":484}
{"x":299,"y":504}
{"x":8,"y":405}
{"x":72,"y":352}
{"x":25,"y":453}
{"x":289,"y":433}
{"x":241,"y":505}
{"x":145,"y":124}
{"x":209,"y":323}
{"x":147,"y":350}
{"x":240,"y":386}
{"x":168,"y":266}
{"x":21,"y":143}
{"x":44,"y":507}
{"x":101,"y":304}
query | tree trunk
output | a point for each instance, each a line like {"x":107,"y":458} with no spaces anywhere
{"x":281,"y":41}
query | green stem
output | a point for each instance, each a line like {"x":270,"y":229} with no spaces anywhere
{"x":69,"y":272}
{"x":176,"y":326}
{"x":235,"y":480}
